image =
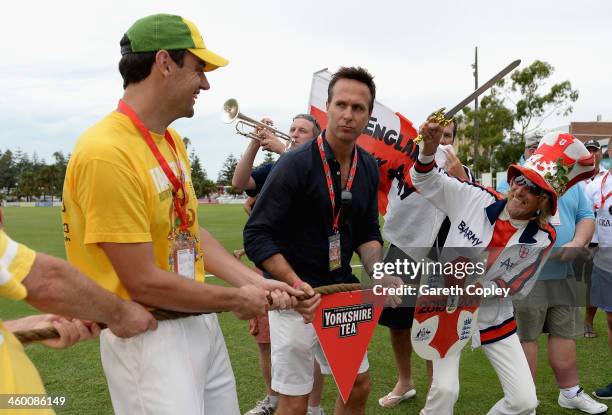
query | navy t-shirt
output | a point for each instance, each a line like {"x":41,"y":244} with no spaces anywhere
{"x":260,"y":175}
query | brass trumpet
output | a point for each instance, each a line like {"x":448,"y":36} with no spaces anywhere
{"x":231,"y":113}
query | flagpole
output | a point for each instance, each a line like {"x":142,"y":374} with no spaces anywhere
{"x":476,"y":119}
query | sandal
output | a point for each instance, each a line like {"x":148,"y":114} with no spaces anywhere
{"x":589,"y":332}
{"x":389,"y":400}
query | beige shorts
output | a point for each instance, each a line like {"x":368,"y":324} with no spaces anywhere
{"x":551,"y":308}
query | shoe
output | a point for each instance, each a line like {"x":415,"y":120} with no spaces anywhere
{"x":310,"y":412}
{"x":583,"y":402}
{"x":604,"y":393}
{"x":589,"y":332}
{"x":389,"y":400}
{"x":263,"y":407}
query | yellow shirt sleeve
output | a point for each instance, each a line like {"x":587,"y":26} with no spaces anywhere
{"x":17,"y":374}
{"x":15,"y":264}
{"x":113,"y":203}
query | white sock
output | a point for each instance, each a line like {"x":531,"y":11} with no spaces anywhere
{"x":314,"y":410}
{"x":273,"y":400}
{"x":569,"y":393}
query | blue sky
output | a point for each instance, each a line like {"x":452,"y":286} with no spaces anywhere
{"x":59,"y":72}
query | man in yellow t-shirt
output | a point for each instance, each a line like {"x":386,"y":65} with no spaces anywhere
{"x":51,"y":284}
{"x":130,"y":223}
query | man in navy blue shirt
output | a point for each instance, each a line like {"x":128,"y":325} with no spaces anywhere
{"x":318,"y":207}
{"x":304,"y":128}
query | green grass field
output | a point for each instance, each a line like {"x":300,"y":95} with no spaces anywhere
{"x":77,"y":373}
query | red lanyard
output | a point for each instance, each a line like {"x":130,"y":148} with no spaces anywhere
{"x":330,"y":184}
{"x":603,"y":184}
{"x":179,"y":196}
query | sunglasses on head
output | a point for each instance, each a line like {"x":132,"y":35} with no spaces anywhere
{"x":533,"y":188}
{"x":310,"y":118}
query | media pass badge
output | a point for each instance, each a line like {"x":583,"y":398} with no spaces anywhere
{"x":345,"y":323}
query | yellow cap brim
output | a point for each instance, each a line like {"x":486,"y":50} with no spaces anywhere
{"x":213,"y":61}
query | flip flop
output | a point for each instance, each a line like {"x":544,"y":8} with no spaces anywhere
{"x":389,"y":400}
{"x":589,"y":332}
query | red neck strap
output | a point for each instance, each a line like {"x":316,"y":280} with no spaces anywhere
{"x":330,"y":184}
{"x":179,"y":195}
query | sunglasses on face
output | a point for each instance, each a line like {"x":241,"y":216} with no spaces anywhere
{"x":533,"y":188}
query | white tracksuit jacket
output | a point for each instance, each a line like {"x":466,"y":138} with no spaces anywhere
{"x":478,"y":220}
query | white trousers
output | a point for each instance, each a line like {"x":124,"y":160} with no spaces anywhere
{"x":180,"y":368}
{"x":510,"y":364}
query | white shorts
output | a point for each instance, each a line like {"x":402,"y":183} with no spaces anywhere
{"x":294,"y":346}
{"x":180,"y":368}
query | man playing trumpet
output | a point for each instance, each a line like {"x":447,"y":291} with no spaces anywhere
{"x":303,"y":128}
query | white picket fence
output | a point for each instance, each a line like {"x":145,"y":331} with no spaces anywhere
{"x":32,"y":204}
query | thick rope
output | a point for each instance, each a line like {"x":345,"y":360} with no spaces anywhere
{"x":28,"y":336}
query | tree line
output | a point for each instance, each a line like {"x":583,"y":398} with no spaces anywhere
{"x":25,"y":177}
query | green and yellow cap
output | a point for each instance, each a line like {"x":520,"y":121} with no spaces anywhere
{"x":169,"y":32}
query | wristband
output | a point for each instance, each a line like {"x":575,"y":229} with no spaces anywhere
{"x":297,"y":284}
